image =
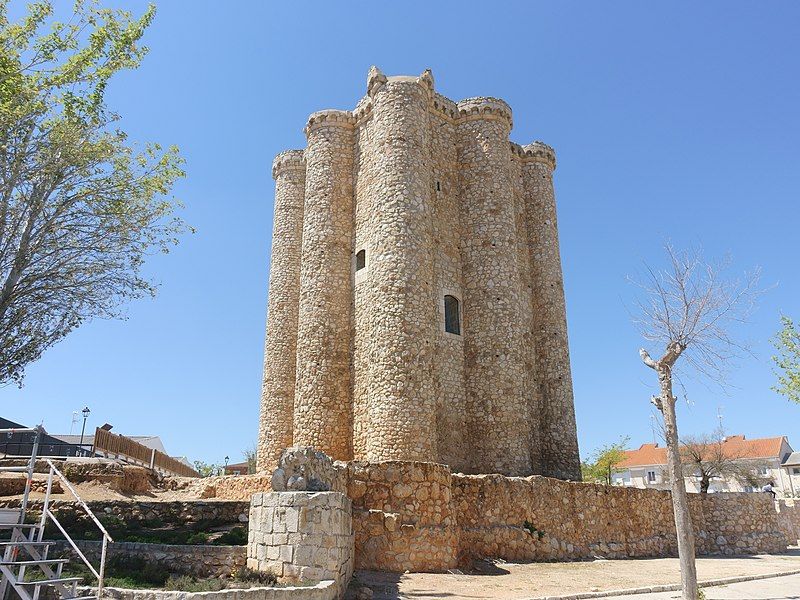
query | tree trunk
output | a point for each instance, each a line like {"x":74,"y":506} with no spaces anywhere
{"x":705,"y":482}
{"x":680,"y":501}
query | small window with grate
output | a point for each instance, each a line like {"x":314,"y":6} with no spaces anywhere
{"x":361,"y":259}
{"x":452,"y":318}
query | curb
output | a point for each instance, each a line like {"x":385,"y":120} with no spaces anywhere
{"x":666,"y":588}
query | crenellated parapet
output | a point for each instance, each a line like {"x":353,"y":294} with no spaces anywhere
{"x":288,"y":160}
{"x":540,"y":152}
{"x":329,"y":118}
{"x":484,"y":108}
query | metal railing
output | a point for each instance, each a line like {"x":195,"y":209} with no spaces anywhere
{"x":99,"y":573}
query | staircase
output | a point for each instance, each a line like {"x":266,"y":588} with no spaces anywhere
{"x":25,"y":566}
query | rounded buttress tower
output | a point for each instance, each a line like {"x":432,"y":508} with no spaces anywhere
{"x":399,"y":304}
{"x":494,"y":323}
{"x":323,"y":394}
{"x":558,"y":435}
{"x":277,"y":391}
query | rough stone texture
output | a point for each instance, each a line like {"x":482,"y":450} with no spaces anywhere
{"x":233,"y":487}
{"x":200,"y":561}
{"x":402,"y":516}
{"x":495,"y":315}
{"x":441,"y":203}
{"x":302,"y":536}
{"x":324,"y":590}
{"x":14,"y":485}
{"x":419,"y":517}
{"x":789,"y":520}
{"x":323,"y":408}
{"x":306,"y":470}
{"x":569,"y":521}
{"x":139,"y":514}
{"x":277,"y":394}
{"x":557,"y":440}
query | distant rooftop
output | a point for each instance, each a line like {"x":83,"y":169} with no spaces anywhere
{"x":734,"y":446}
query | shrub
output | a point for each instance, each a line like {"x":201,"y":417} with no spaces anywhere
{"x":198,"y":538}
{"x":246,"y":575}
{"x":234,"y":537}
{"x":187,"y":583}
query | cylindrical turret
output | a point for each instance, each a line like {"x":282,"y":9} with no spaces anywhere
{"x":558,"y":436}
{"x":494,"y":352}
{"x":397,"y":287}
{"x":323,"y":394}
{"x":277,"y":391}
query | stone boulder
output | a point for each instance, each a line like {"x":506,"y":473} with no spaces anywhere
{"x":304,"y":469}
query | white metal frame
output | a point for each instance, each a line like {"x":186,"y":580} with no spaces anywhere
{"x":34,"y":544}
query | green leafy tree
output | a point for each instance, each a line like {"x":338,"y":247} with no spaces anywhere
{"x":207,"y":469}
{"x":81,"y":207}
{"x":602,"y":464}
{"x":787,"y":343}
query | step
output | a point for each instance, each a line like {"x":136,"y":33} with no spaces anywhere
{"x":63,"y":580}
{"x":27,"y":543}
{"x":20,"y":525}
{"x":44,"y":561}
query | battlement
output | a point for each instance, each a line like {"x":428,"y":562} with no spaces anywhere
{"x":536,"y":152}
{"x":329,"y":118}
{"x":480,"y":107}
{"x":288,"y":160}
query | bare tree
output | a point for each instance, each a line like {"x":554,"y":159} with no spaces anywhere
{"x":707,"y":457}
{"x":686,"y":311}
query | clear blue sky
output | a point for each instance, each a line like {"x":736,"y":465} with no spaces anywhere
{"x":672,"y":121}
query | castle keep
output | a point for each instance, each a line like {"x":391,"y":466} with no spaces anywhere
{"x":416,"y":305}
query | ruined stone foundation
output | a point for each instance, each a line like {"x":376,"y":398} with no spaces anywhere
{"x":416,"y":302}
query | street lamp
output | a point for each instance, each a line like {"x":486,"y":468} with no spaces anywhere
{"x":85,"y":412}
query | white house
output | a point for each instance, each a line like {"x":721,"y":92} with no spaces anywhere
{"x":771,"y":458}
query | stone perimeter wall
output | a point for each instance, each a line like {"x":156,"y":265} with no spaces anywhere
{"x":789,"y":520}
{"x":420,"y":517}
{"x":200,"y":561}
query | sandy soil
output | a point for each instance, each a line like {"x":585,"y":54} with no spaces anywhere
{"x":171,"y":489}
{"x":508,"y":581}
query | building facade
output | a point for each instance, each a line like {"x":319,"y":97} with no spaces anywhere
{"x":762,"y":460}
{"x":416,"y":304}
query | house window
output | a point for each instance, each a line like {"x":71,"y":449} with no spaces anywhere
{"x":361,"y":259}
{"x":796,"y":471}
{"x":763,"y":471}
{"x":452,"y":320}
{"x":651,"y":477}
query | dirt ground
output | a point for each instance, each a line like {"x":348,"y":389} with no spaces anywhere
{"x":508,"y":581}
{"x":168,"y":489}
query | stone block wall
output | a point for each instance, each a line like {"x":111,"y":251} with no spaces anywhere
{"x":200,"y":561}
{"x":537,"y":518}
{"x":402,"y":516}
{"x":789,"y":520}
{"x":302,"y":536}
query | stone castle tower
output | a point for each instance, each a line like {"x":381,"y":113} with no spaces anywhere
{"x":416,"y":305}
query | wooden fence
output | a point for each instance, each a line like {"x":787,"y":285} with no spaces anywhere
{"x":111,"y":444}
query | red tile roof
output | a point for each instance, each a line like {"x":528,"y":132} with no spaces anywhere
{"x":735,"y":446}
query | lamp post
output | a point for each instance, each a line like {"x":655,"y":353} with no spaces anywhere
{"x":85,"y":412}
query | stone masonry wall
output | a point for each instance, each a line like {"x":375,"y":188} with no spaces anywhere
{"x":537,"y":518}
{"x":280,"y":351}
{"x":200,"y":561}
{"x":302,"y":536}
{"x":441,"y":203}
{"x":402,"y":516}
{"x":789,"y":520}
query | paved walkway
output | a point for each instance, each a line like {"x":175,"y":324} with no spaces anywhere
{"x":775,"y":588}
{"x":509,"y":581}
